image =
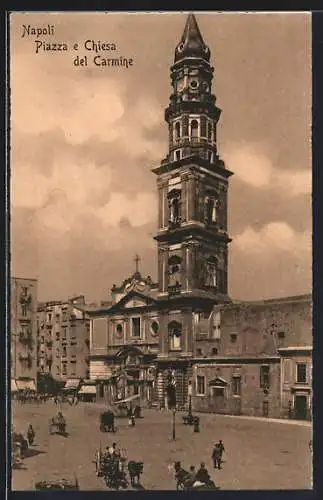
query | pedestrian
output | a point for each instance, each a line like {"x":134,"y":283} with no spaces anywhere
{"x":191,"y":478}
{"x":217,"y":454}
{"x":30,"y":435}
{"x":203,"y":476}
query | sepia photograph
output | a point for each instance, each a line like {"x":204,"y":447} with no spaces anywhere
{"x":161,"y":251}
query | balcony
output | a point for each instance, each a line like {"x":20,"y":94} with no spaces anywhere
{"x":26,"y":339}
{"x":26,"y":358}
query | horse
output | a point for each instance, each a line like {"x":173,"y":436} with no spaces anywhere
{"x":135,"y":470}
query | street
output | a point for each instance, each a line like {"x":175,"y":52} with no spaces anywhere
{"x":258,"y":454}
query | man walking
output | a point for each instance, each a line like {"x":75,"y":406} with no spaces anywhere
{"x":217,"y":454}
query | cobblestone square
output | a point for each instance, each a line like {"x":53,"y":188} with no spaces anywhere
{"x":259,"y":454}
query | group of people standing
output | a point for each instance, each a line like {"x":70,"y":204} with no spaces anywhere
{"x":193,"y":478}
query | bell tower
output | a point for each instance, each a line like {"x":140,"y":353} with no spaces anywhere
{"x":192,"y":183}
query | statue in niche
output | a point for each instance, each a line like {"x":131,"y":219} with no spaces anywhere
{"x":174,"y":199}
{"x":211,"y":272}
{"x":174,"y":271}
{"x":211,"y":210}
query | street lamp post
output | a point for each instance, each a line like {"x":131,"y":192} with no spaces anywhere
{"x":190,"y":399}
{"x":174,"y":425}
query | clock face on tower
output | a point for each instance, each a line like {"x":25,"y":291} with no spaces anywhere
{"x":194,"y":84}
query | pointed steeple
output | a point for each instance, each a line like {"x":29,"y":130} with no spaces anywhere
{"x":191,"y":43}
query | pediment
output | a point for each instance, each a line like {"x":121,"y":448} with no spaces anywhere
{"x":218,"y":382}
{"x":133,"y":300}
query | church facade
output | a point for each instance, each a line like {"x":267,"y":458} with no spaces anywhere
{"x":176,"y":330}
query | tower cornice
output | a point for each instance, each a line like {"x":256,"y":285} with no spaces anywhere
{"x":193,"y":162}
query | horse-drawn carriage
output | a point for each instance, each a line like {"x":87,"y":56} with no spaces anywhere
{"x":107,"y":421}
{"x":57,"y":424}
{"x":185,"y":481}
{"x":113,"y":468}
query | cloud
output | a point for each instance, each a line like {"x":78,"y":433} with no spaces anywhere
{"x":252,"y":166}
{"x":273,"y":238}
{"x":138,"y":210}
{"x":80,"y":110}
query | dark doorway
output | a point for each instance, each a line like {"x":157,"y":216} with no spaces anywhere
{"x":265,"y":408}
{"x":101,"y":391}
{"x":301,"y":407}
{"x":218,"y":399}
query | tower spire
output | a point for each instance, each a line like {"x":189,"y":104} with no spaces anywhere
{"x":192,"y":43}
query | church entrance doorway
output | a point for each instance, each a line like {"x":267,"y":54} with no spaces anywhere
{"x":300,"y":411}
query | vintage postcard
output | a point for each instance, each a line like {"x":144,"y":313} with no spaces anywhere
{"x":161,"y":283}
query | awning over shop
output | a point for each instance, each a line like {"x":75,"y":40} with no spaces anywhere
{"x":13,"y":386}
{"x":87,"y":389}
{"x":72,"y":383}
{"x":23,"y":385}
{"x":126,"y":400}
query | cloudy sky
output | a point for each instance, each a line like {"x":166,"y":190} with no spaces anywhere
{"x":83,"y":141}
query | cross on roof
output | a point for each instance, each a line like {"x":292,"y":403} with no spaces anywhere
{"x":137,"y":260}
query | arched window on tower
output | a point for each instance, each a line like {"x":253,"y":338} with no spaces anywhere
{"x":194,"y":129}
{"x":174,"y":273}
{"x":209,"y":131}
{"x":214,"y":133}
{"x":211,"y":272}
{"x":174,"y":335}
{"x":174,"y":205}
{"x":177,"y":131}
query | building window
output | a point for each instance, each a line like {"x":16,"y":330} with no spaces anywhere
{"x":214,"y":132}
{"x":209,"y":131}
{"x":49,"y":317}
{"x":174,"y":333}
{"x":200,"y":385}
{"x":194,"y":129}
{"x":233,"y":338}
{"x":214,"y":351}
{"x":177,"y":154}
{"x":209,"y":156}
{"x":281,"y":335}
{"x":264,"y":376}
{"x":64,"y":353}
{"x":199,"y":352}
{"x":135,"y":327}
{"x":119,"y":330}
{"x":64,"y":369}
{"x":236,"y":385}
{"x":154,"y":328}
{"x":57,"y":336}
{"x":177,"y":130}
{"x":301,"y":373}
{"x":58,"y":370}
